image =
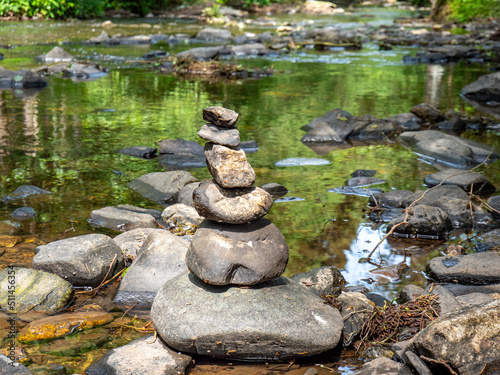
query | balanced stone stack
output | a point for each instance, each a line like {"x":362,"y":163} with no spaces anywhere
{"x":234,"y":303}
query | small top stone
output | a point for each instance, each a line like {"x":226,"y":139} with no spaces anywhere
{"x":220,"y":116}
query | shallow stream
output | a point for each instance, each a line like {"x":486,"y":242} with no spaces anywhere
{"x":64,"y":139}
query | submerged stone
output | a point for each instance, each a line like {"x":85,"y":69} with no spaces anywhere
{"x":25,"y":191}
{"x":293,"y":162}
{"x":272,"y":321}
{"x":233,"y":206}
{"x":62,"y":325}
{"x":244,"y":254}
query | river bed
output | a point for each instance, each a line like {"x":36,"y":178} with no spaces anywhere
{"x":64,"y":139}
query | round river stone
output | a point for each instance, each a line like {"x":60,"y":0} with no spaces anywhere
{"x":233,"y":206}
{"x":229,"y":166}
{"x":276,"y":320}
{"x":244,"y":254}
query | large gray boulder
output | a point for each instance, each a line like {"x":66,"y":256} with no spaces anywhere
{"x":161,"y":257}
{"x":471,"y":269}
{"x":232,"y":206}
{"x":162,"y":187}
{"x":467,"y":339}
{"x":20,"y":79}
{"x":447,"y":149}
{"x":145,"y":356}
{"x":34,"y":291}
{"x":82,"y":260}
{"x":121,"y":219}
{"x":56,"y":54}
{"x":271,"y":321}
{"x":244,"y":254}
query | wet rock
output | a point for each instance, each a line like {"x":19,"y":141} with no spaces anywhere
{"x":364,"y":181}
{"x":251,"y":49}
{"x":494,"y":203}
{"x":139,"y":152}
{"x":220,"y":116}
{"x":427,"y":113}
{"x":410,"y":292}
{"x":161,"y":257}
{"x":356,"y":310}
{"x":121,"y":219}
{"x":364,"y":173}
{"x":201,"y":53}
{"x":406,"y":121}
{"x":425,"y":221}
{"x":20,"y":79}
{"x":276,"y":190}
{"x":396,"y":198}
{"x":155,"y":55}
{"x":373,"y":130}
{"x":470,"y":182}
{"x":460,"y":338}
{"x":392,"y":272}
{"x":243,"y":254}
{"x":23,"y":213}
{"x":277,"y":327}
{"x":10,"y":367}
{"x":330,"y":118}
{"x":179,"y":146}
{"x":182,"y":161}
{"x":323,"y":281}
{"x":219,"y":135}
{"x":438,"y":194}
{"x":232,"y":206}
{"x":322,"y":133}
{"x":82,"y":260}
{"x":162,"y":187}
{"x":181,"y":217}
{"x":22,"y":192}
{"x":485,"y":93}
{"x":131,"y":241}
{"x":34,"y":291}
{"x":447,"y":149}
{"x":210,"y":33}
{"x":186,"y":193}
{"x":229,"y":167}
{"x":416,"y":363}
{"x":492,"y":237}
{"x":384,"y":366}
{"x":293,"y":162}
{"x":82,"y":71}
{"x":471,"y":269}
{"x":145,"y":356}
{"x":377,"y":299}
{"x":56,"y":54}
{"x":62,"y":325}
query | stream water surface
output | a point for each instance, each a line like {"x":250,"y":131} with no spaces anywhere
{"x":64,"y":139}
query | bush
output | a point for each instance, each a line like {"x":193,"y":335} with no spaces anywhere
{"x":467,"y":10}
{"x":30,"y":8}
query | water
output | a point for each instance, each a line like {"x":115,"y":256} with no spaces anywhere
{"x":64,"y":139}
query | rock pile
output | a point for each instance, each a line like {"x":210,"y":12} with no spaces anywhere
{"x":234,"y":302}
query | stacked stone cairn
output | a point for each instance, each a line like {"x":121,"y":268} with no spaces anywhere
{"x":234,"y":303}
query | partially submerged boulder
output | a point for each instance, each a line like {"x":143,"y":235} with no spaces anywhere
{"x":121,"y":219}
{"x":484,"y":94}
{"x":56,"y":54}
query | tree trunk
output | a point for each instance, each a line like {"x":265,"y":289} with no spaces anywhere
{"x":440,"y":10}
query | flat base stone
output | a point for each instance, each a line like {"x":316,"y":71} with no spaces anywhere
{"x":276,"y":320}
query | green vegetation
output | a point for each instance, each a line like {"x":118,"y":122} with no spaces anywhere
{"x":467,"y":10}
